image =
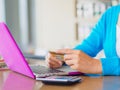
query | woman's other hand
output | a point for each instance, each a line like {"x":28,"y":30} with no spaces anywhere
{"x":52,"y":61}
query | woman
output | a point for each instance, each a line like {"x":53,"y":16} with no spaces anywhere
{"x":104,"y":36}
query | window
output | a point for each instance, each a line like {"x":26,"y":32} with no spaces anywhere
{"x":19,"y":14}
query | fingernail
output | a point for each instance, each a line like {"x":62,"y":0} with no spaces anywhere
{"x":60,"y":63}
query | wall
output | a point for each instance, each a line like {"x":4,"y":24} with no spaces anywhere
{"x":54,"y":23}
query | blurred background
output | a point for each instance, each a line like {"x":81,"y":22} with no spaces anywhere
{"x":42,"y":25}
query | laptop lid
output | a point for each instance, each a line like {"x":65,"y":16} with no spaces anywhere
{"x":11,"y":53}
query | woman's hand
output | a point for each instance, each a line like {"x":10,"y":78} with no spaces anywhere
{"x":80,"y":61}
{"x":52,"y":61}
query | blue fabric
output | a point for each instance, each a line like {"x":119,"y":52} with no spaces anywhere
{"x":103,"y":37}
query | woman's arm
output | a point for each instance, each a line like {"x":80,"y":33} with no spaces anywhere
{"x":94,"y":42}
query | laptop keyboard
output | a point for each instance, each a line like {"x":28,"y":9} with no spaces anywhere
{"x":42,"y":71}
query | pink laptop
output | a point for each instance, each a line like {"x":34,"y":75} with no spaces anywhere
{"x":16,"y":61}
{"x":11,"y":52}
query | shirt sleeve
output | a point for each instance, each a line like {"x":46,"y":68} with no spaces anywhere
{"x":110,"y":66}
{"x":94,"y":42}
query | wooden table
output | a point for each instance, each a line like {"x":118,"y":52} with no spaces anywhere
{"x":10,"y":80}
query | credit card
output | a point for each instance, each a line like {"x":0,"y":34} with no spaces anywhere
{"x":57,"y":55}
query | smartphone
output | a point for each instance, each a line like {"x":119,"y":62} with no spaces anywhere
{"x":61,"y":80}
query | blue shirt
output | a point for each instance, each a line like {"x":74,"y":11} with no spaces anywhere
{"x":103,"y":36}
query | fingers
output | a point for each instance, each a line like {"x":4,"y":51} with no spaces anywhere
{"x":70,"y":59}
{"x":73,"y":67}
{"x":52,"y":62}
{"x":69,"y":62}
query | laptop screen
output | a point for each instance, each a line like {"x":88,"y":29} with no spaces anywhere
{"x":11,"y":53}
